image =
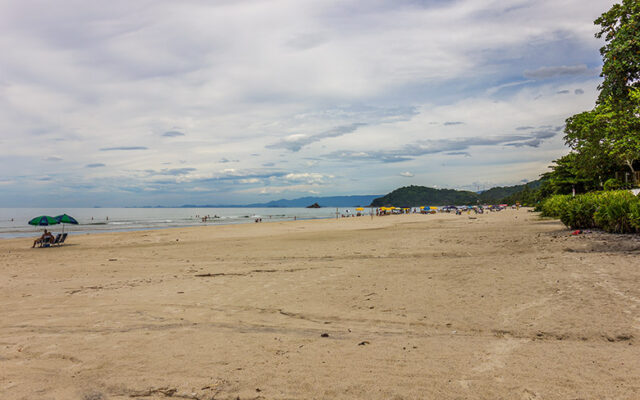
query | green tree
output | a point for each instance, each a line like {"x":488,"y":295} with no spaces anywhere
{"x":605,"y":138}
{"x":585,"y":134}
{"x":622,"y":131}
{"x":618,"y":130}
{"x":620,"y":27}
{"x":566,"y":175}
{"x":593,"y":142}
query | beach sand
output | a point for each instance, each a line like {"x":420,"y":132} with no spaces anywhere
{"x":501,"y":306}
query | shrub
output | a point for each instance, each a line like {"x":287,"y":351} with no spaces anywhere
{"x":614,"y":213}
{"x":634,"y":214}
{"x":578,"y":212}
{"x":553,"y":206}
{"x":615,"y":184}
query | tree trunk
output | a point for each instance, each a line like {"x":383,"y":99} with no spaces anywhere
{"x":633,"y":171}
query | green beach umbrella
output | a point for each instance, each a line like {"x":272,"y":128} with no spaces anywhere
{"x":43,"y":220}
{"x":66,"y":219}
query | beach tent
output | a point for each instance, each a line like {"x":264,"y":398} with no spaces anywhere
{"x":359,"y":209}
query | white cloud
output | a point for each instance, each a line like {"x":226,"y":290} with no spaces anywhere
{"x":309,"y":178}
{"x":266,"y":190}
{"x":250,"y":180}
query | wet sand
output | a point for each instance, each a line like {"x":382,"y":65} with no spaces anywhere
{"x":502,"y":306}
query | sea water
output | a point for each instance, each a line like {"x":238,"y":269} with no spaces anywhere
{"x":14,"y":221}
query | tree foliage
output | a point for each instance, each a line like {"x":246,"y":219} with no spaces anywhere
{"x":605,"y":137}
{"x":497,"y":195}
{"x":529,"y":196}
{"x":623,"y":130}
{"x":566,"y":176}
{"x":620,"y":27}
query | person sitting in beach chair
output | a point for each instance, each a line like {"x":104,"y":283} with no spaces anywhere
{"x":47,"y":237}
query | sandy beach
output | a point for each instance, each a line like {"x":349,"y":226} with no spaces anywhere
{"x":498,"y":306}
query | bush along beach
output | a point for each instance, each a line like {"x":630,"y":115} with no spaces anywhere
{"x":613,"y":211}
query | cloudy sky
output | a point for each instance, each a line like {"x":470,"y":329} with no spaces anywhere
{"x":236,"y":101}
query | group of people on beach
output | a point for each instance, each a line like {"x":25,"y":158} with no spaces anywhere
{"x":458,"y":210}
{"x":205,"y":218}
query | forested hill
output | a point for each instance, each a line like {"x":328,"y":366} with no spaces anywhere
{"x":499,"y":193}
{"x":414,"y":196}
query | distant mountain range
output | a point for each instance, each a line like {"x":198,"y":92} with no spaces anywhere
{"x":332,"y":201}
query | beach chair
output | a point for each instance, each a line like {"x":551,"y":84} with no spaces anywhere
{"x":58,"y":236}
{"x":62,"y":239}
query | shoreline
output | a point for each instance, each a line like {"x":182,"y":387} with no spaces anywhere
{"x":13,"y":221}
{"x":215,"y":230}
{"x":504,"y":305}
{"x":225,"y":231}
{"x":53,"y":228}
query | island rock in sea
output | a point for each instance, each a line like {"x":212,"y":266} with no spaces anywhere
{"x":314,"y":205}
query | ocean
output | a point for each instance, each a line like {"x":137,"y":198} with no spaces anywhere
{"x":14,"y":221}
